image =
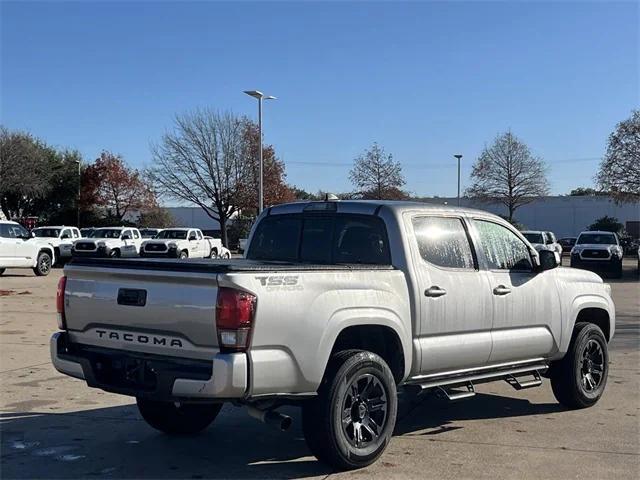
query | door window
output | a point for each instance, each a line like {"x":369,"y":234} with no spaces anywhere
{"x":66,"y":232}
{"x":502,"y":248}
{"x":443,"y":241}
{"x":136,"y":234}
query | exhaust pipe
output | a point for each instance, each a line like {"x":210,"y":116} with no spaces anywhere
{"x":270,"y":417}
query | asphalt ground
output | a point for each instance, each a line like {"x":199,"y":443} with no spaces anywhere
{"x":53,"y":426}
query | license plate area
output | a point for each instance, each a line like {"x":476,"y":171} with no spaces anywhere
{"x":126,"y":372}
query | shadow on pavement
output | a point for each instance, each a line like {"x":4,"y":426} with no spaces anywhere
{"x":115,"y":443}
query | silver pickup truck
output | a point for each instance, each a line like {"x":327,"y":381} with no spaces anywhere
{"x":336,"y":305}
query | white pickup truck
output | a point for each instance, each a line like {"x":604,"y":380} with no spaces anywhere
{"x":109,"y":242}
{"x":19,"y":250}
{"x":543,"y":240}
{"x":61,"y":238}
{"x":336,"y":306}
{"x":182,"y":243}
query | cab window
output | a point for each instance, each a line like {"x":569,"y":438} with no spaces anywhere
{"x":136,"y":234}
{"x":502,"y":248}
{"x":443,"y":242}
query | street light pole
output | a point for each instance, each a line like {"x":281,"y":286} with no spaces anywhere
{"x":260,"y":96}
{"x":79,"y":190}
{"x":458,"y":156}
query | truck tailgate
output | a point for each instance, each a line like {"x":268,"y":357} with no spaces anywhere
{"x":152,"y":311}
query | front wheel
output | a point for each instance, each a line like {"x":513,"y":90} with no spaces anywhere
{"x":183,"y":254}
{"x":115,"y":253}
{"x":349,"y":424}
{"x":175,"y":418}
{"x":578,"y":380}
{"x":43,"y":264}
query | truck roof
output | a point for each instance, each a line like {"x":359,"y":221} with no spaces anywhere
{"x":370,"y":207}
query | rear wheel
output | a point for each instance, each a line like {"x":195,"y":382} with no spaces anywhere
{"x":213,"y":253}
{"x":578,"y":380}
{"x":349,"y":424}
{"x":177,"y":418}
{"x":43,"y":264}
{"x":226,"y":255}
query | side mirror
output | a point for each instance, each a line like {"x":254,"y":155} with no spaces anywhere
{"x":548,"y":260}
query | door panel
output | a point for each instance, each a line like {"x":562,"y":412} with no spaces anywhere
{"x":526,"y":305}
{"x":456,"y":312}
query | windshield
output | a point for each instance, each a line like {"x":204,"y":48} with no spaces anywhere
{"x":173,"y":234}
{"x":86,"y":232}
{"x":47,"y":232}
{"x":597,"y":239}
{"x":534,"y":237}
{"x":108,"y":233}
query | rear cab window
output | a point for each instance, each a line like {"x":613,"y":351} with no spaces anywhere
{"x":337,"y":238}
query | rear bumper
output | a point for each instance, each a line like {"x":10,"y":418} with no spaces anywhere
{"x":153,"y":376}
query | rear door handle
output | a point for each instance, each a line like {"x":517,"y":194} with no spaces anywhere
{"x":501,"y":290}
{"x":435,"y":291}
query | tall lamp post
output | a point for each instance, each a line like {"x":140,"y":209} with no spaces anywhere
{"x":260,"y":97}
{"x":79,"y":189}
{"x":458,"y":156}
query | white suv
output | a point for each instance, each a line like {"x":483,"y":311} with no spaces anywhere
{"x":109,"y":242}
{"x":18,"y":251}
{"x":61,"y":238}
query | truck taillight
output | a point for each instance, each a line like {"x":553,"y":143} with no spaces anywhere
{"x":62,"y":321}
{"x":235,"y":310}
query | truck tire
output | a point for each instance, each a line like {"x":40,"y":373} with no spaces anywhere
{"x":350,"y":423}
{"x":178,"y":418}
{"x":578,"y":380}
{"x":183,"y":255}
{"x":213,"y":253}
{"x":43,"y":264}
{"x":2,"y":270}
{"x":115,"y":253}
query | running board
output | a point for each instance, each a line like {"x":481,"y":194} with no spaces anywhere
{"x":515,"y":382}
{"x":508,"y":374}
{"x":457,"y":394}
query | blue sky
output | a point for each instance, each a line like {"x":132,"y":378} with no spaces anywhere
{"x":424,"y":79}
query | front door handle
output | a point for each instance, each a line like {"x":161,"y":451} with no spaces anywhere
{"x":501,"y":290}
{"x":435,"y":291}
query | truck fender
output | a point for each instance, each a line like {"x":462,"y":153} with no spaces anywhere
{"x":580,"y":303}
{"x":350,"y":317}
{"x":47,"y":248}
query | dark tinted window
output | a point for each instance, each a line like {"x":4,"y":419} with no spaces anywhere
{"x":443,"y":242}
{"x":325,"y":239}
{"x":502,"y":248}
{"x":360,"y":240}
{"x":596,"y":239}
{"x":316,"y":240}
{"x":276,"y":238}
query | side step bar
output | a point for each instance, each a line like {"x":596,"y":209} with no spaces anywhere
{"x":457,"y":394}
{"x":512,"y":375}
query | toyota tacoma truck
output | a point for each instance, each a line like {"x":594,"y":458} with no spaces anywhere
{"x":61,"y":238}
{"x":109,"y":242}
{"x":181,"y":243}
{"x":336,"y":306}
{"x":601,"y":251}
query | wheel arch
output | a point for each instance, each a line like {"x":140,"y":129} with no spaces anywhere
{"x":378,"y":332}
{"x":47,"y":249}
{"x":592,"y":309}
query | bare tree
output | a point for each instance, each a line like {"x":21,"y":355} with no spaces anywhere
{"x":619,"y":171}
{"x":202,"y":162}
{"x":377,"y":176}
{"x":508,"y":173}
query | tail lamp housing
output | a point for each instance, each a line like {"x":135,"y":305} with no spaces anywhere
{"x":235,"y":311}
{"x":60,"y":303}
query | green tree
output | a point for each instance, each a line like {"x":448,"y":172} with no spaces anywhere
{"x":607,"y":224}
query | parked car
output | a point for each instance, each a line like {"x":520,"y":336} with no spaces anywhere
{"x":109,"y":242}
{"x":61,"y":238}
{"x":596,"y":250}
{"x":542,"y":240}
{"x":337,"y":304}
{"x":567,"y":244}
{"x":181,"y":243}
{"x":149,"y":232}
{"x":18,"y":250}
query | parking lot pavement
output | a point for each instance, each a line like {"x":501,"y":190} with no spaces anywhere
{"x":53,"y":426}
